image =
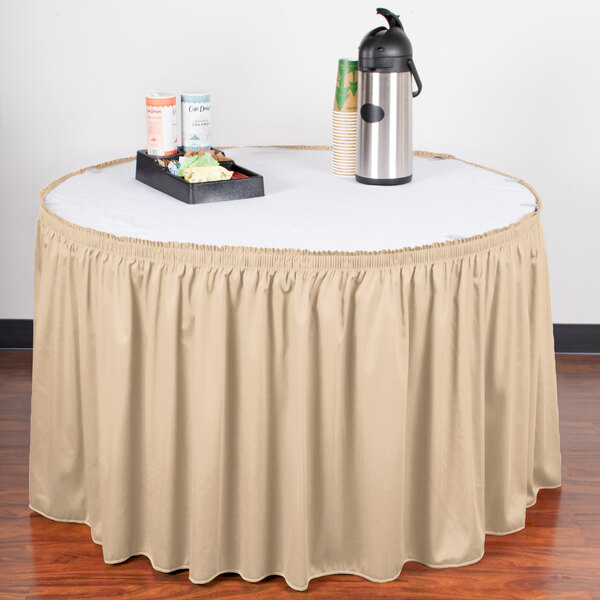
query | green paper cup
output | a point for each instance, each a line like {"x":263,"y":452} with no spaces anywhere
{"x":344,"y":118}
{"x":346,"y":86}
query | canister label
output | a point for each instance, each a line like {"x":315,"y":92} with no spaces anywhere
{"x":195,"y":121}
{"x":161,"y":124}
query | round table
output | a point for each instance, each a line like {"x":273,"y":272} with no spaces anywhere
{"x":332,"y":378}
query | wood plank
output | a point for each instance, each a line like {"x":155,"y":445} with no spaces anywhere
{"x":557,"y":555}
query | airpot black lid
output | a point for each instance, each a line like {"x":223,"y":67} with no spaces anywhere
{"x":385,"y":50}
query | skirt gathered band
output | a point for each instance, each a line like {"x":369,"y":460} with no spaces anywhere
{"x":265,"y":411}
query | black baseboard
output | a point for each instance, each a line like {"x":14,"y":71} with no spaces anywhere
{"x":577,"y":338}
{"x":18,"y":333}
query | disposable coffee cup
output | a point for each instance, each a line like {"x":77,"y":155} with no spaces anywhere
{"x":344,"y":118}
{"x":346,"y":86}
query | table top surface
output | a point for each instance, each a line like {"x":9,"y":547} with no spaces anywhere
{"x":305,"y":206}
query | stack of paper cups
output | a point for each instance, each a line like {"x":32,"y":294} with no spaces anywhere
{"x":344,"y":118}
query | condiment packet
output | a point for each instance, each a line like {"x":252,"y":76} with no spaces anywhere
{"x":187,"y":162}
{"x":205,"y":174}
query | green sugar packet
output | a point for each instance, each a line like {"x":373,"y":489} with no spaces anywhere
{"x":204,"y":160}
{"x":185,"y":162}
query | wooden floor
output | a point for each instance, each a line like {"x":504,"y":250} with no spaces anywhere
{"x":557,"y":555}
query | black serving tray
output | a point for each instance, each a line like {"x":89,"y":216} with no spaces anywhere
{"x":148,"y":171}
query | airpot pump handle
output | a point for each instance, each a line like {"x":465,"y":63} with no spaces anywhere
{"x":413,"y":70}
{"x":392,"y":19}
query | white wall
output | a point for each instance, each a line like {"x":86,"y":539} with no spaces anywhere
{"x":513,"y":85}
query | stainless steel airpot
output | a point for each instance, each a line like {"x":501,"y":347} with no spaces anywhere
{"x":385,"y":73}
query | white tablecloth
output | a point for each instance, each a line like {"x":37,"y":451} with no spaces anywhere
{"x":305,"y":206}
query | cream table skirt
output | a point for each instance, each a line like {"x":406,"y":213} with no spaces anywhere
{"x":236,"y":408}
